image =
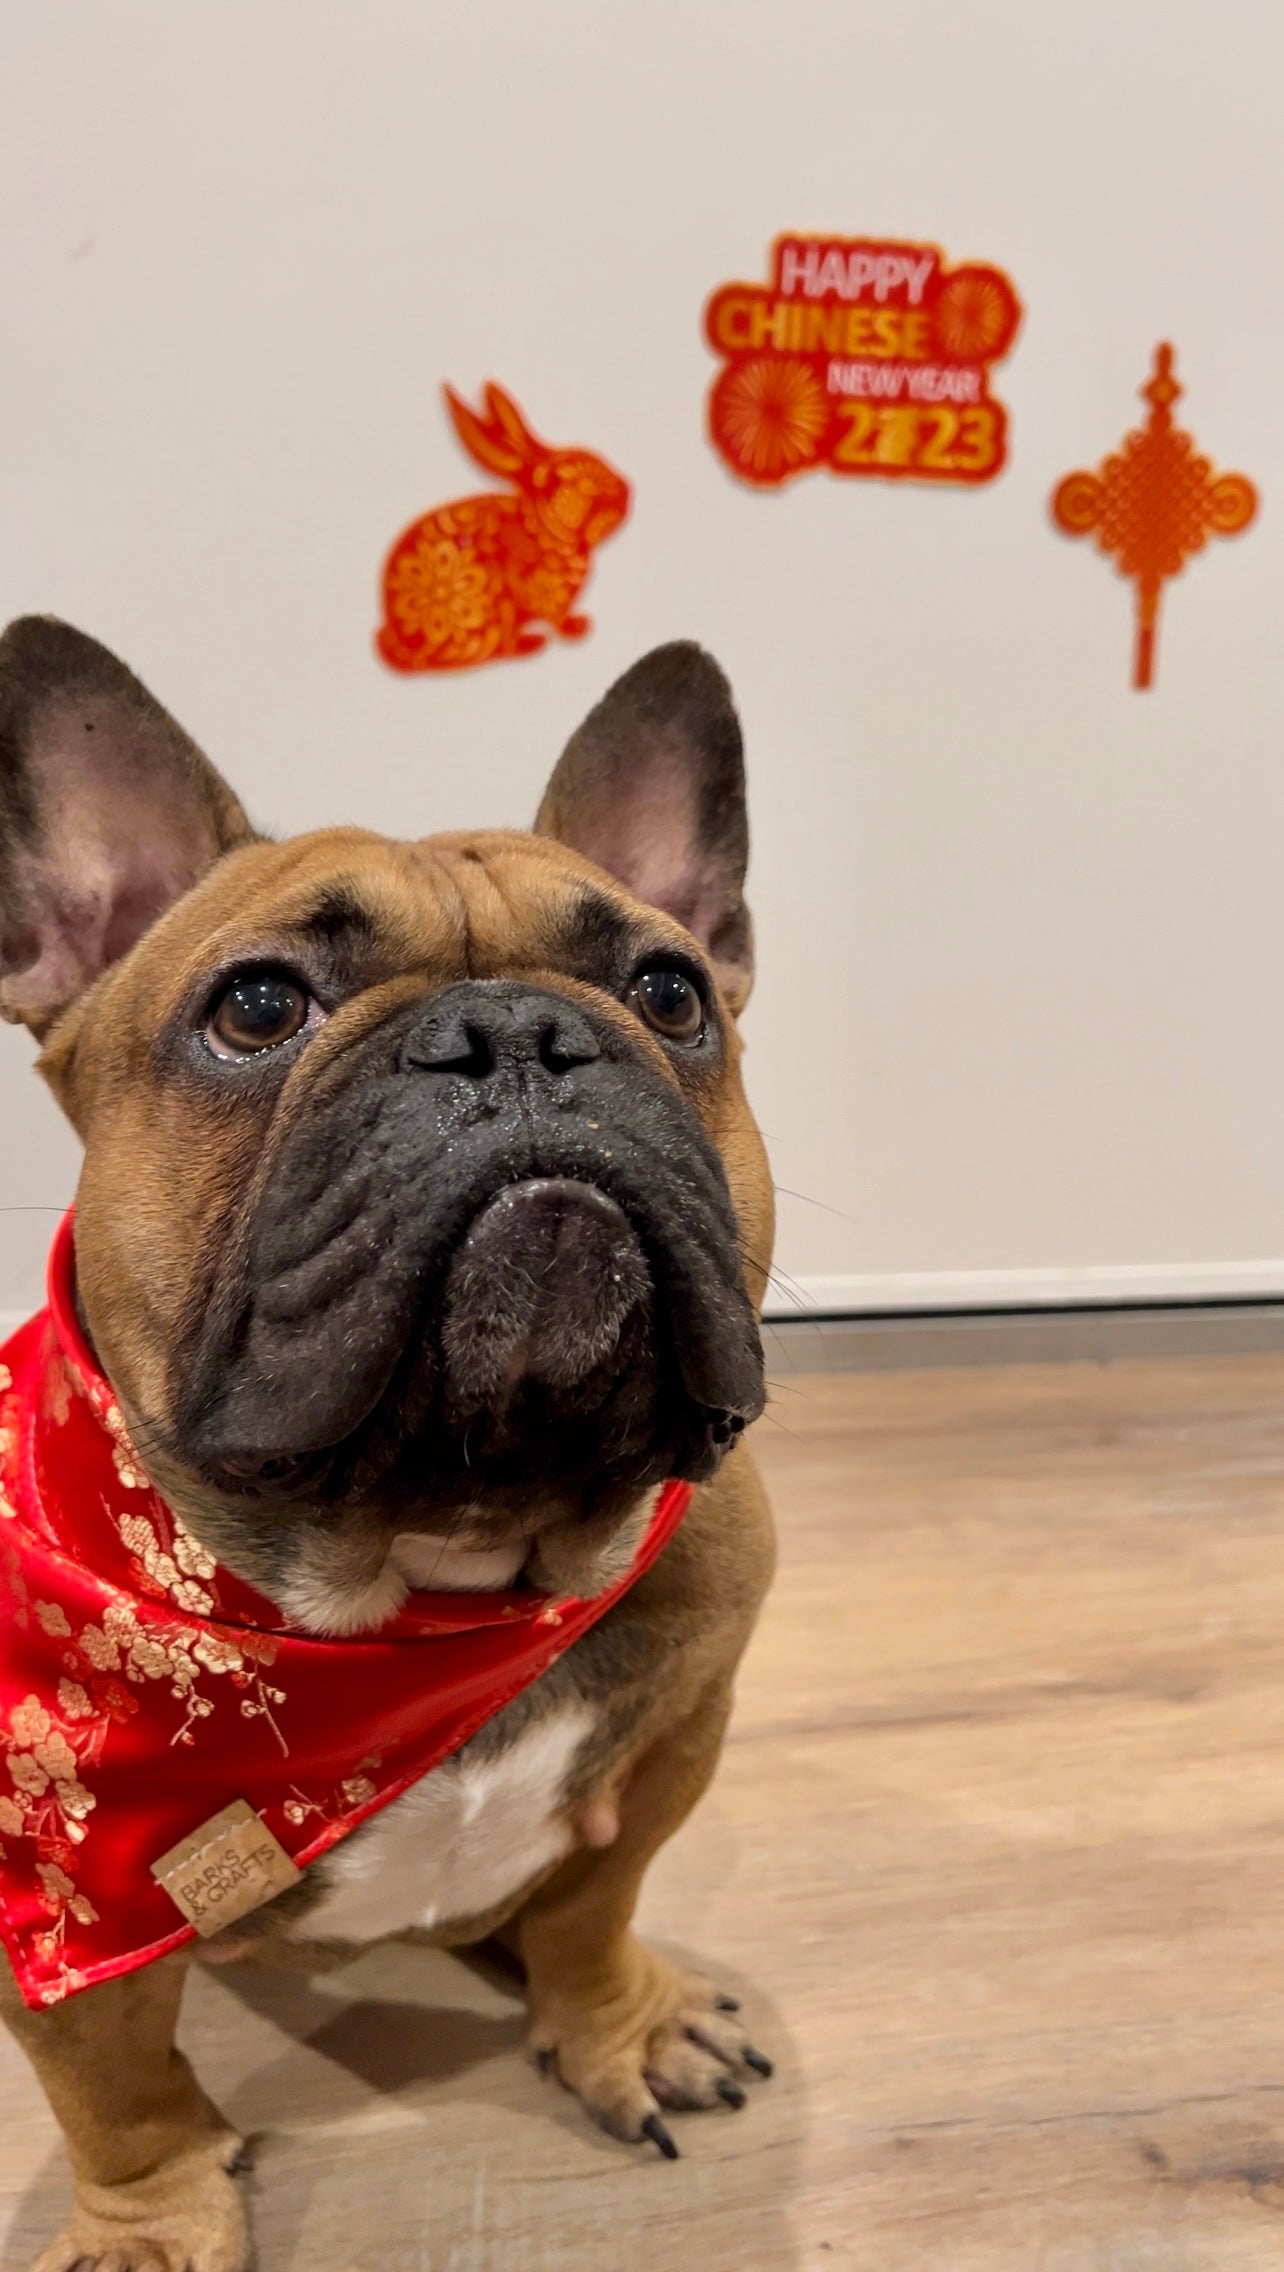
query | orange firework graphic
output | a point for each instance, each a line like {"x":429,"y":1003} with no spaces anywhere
{"x":864,"y":355}
{"x":976,"y":314}
{"x":1152,"y":505}
{"x":772,"y":413}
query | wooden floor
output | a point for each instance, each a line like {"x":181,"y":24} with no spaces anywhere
{"x":996,"y":1858}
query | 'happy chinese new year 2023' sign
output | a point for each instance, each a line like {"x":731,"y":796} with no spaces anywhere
{"x":862,"y":356}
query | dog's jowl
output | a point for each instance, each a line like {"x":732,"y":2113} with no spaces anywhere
{"x":378,"y":1543}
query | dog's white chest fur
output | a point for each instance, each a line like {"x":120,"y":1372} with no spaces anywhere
{"x":458,"y":1843}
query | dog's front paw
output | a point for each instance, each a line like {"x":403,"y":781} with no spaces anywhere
{"x":185,"y":2217}
{"x":644,"y":2036}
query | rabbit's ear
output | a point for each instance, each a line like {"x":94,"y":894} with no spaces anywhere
{"x":489,"y":448}
{"x":505,"y":415}
{"x":108,"y":813}
{"x":652,"y":788}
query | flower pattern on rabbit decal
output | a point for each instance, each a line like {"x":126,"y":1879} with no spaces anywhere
{"x":468,"y":582}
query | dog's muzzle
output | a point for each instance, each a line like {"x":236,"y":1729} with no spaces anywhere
{"x":541,"y":1289}
{"x":498,"y":1232}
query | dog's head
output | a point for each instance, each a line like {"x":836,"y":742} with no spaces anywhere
{"x":422,"y":1213}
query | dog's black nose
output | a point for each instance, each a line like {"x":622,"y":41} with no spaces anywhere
{"x":487,"y":1027}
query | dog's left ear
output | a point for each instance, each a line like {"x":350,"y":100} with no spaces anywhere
{"x":108,"y":813}
{"x":652,"y":788}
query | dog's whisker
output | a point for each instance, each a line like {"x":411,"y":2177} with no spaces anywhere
{"x":782,"y":1278}
{"x":775,"y":1421}
{"x":808,"y":1201}
{"x":791,"y":1293}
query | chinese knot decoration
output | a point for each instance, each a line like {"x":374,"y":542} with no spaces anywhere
{"x":1152,"y":504}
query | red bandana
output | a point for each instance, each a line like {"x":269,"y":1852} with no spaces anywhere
{"x":143,"y":1688}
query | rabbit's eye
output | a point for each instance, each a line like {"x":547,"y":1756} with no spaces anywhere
{"x":670,"y":1002}
{"x":258,"y":1010}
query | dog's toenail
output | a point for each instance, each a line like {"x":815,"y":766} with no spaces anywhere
{"x":731,"y":2092}
{"x":756,"y":2060}
{"x":727,"y":2004}
{"x":655,"y":2130}
{"x":544,"y":2061}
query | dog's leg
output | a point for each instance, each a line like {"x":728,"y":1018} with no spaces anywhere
{"x":151,"y":2156}
{"x":627,"y":2029}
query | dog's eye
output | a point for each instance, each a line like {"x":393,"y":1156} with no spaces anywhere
{"x":670,"y":1002}
{"x":257,"y":1011}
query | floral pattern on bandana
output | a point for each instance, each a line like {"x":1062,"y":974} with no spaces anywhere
{"x":166,"y":1561}
{"x":47,"y":1750}
{"x":46,"y":1747}
{"x":354,"y":1791}
{"x":143,"y":1688}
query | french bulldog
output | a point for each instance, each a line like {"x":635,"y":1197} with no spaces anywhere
{"x":421,"y":1237}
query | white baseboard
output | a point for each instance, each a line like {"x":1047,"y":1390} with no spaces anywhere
{"x":906,"y":1290}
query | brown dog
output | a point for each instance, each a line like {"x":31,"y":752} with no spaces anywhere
{"x":421,"y":1234}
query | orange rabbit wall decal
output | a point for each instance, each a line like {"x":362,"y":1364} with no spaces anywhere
{"x":464,"y":584}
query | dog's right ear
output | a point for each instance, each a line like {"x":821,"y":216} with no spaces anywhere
{"x":108,"y":814}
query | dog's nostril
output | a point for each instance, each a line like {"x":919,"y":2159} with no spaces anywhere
{"x":473,"y":1054}
{"x":476,"y":1036}
{"x":454,"y":1049}
{"x":481,"y":1054}
{"x":565,"y":1043}
{"x":553,"y":1059}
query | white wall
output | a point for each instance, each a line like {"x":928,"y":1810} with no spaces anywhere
{"x":1019,"y":1017}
